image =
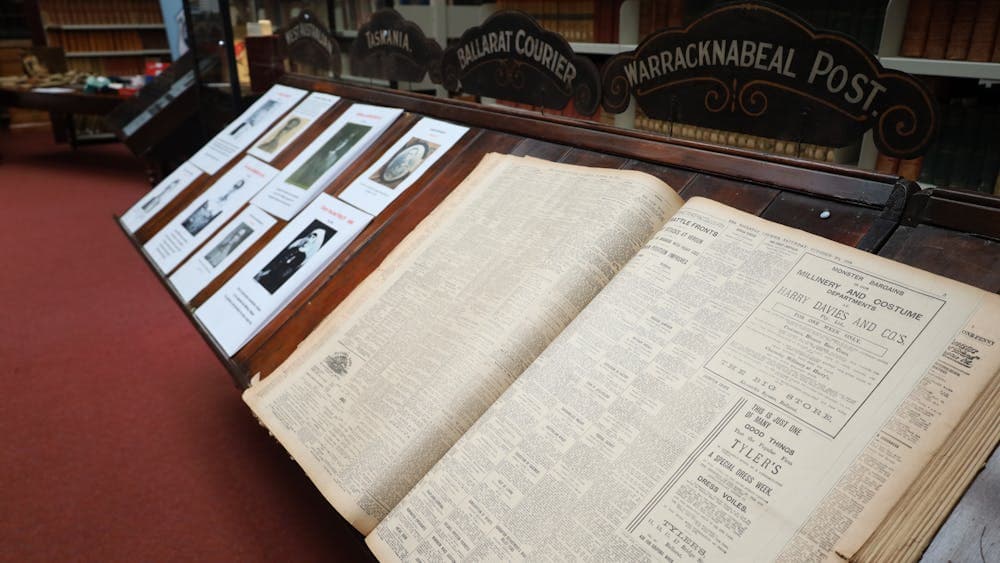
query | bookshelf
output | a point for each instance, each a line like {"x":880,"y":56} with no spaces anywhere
{"x":126,"y":31}
{"x":965,"y":86}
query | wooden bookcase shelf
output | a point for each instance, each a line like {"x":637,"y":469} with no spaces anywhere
{"x":944,"y":68}
{"x":137,"y":53}
{"x":103,"y":26}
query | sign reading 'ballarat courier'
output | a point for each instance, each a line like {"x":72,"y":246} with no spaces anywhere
{"x":392,"y":48}
{"x":511,"y":57}
{"x":756,"y":69}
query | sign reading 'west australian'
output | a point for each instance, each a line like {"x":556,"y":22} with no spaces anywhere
{"x":511,"y":57}
{"x":310,"y":45}
{"x":756,"y":69}
{"x":392,"y":48}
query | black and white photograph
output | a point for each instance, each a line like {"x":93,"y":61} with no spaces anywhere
{"x":285,"y":132}
{"x":228,"y":244}
{"x":209,"y":210}
{"x":151,"y":203}
{"x":288,"y":261}
{"x":404,"y":162}
{"x":328,"y":155}
{"x":256,"y":117}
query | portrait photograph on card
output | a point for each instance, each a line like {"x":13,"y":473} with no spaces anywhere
{"x":327,"y":155}
{"x":288,"y":261}
{"x":283,"y":133}
{"x":404,"y":162}
{"x":216,"y":255}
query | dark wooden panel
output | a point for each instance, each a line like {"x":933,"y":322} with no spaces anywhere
{"x":676,"y":178}
{"x":751,"y":198}
{"x":967,"y":258}
{"x":68,"y":102}
{"x":962,"y":210}
{"x":595,"y":159}
{"x":264,"y":353}
{"x":540,"y":149}
{"x":847,"y":224}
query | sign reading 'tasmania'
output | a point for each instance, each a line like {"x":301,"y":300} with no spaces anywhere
{"x":392,"y":48}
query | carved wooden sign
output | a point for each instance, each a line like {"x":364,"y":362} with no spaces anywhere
{"x":511,"y":57}
{"x":310,"y":44}
{"x":392,"y":48}
{"x":757,"y":69}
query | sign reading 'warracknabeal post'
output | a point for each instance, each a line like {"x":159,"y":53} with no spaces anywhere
{"x":392,"y":48}
{"x":511,"y":57}
{"x":757,"y":69}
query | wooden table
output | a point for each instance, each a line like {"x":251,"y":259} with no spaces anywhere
{"x":62,"y":106}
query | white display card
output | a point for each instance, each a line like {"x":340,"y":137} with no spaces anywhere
{"x":243,"y":130}
{"x":221,"y":251}
{"x":402,"y":165}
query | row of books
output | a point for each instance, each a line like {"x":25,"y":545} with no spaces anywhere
{"x":117,"y":40}
{"x":109,"y":66}
{"x":654,"y":16}
{"x":106,"y":12}
{"x":12,"y":22}
{"x":740,"y":140}
{"x":352,"y":14}
{"x":573,"y":20}
{"x":965,"y":155}
{"x":858,"y":19}
{"x":600,"y":116}
{"x":960,"y":30}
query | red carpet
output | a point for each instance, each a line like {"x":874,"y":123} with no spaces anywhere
{"x":123,"y":438}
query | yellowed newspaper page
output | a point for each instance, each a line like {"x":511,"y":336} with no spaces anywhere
{"x":910,"y":446}
{"x":394,"y":376}
{"x":706,"y":404}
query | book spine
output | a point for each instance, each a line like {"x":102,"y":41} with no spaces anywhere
{"x":996,"y":48}
{"x":961,"y":30}
{"x":675,"y":14}
{"x":910,"y":168}
{"x":984,"y":31}
{"x":942,"y":14}
{"x":886,"y":164}
{"x":605,"y":21}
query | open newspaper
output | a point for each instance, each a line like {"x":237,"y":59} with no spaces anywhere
{"x":565,"y":362}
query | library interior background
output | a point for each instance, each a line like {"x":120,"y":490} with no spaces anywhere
{"x":192,"y":186}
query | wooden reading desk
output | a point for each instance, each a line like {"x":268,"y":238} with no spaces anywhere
{"x":952,"y":233}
